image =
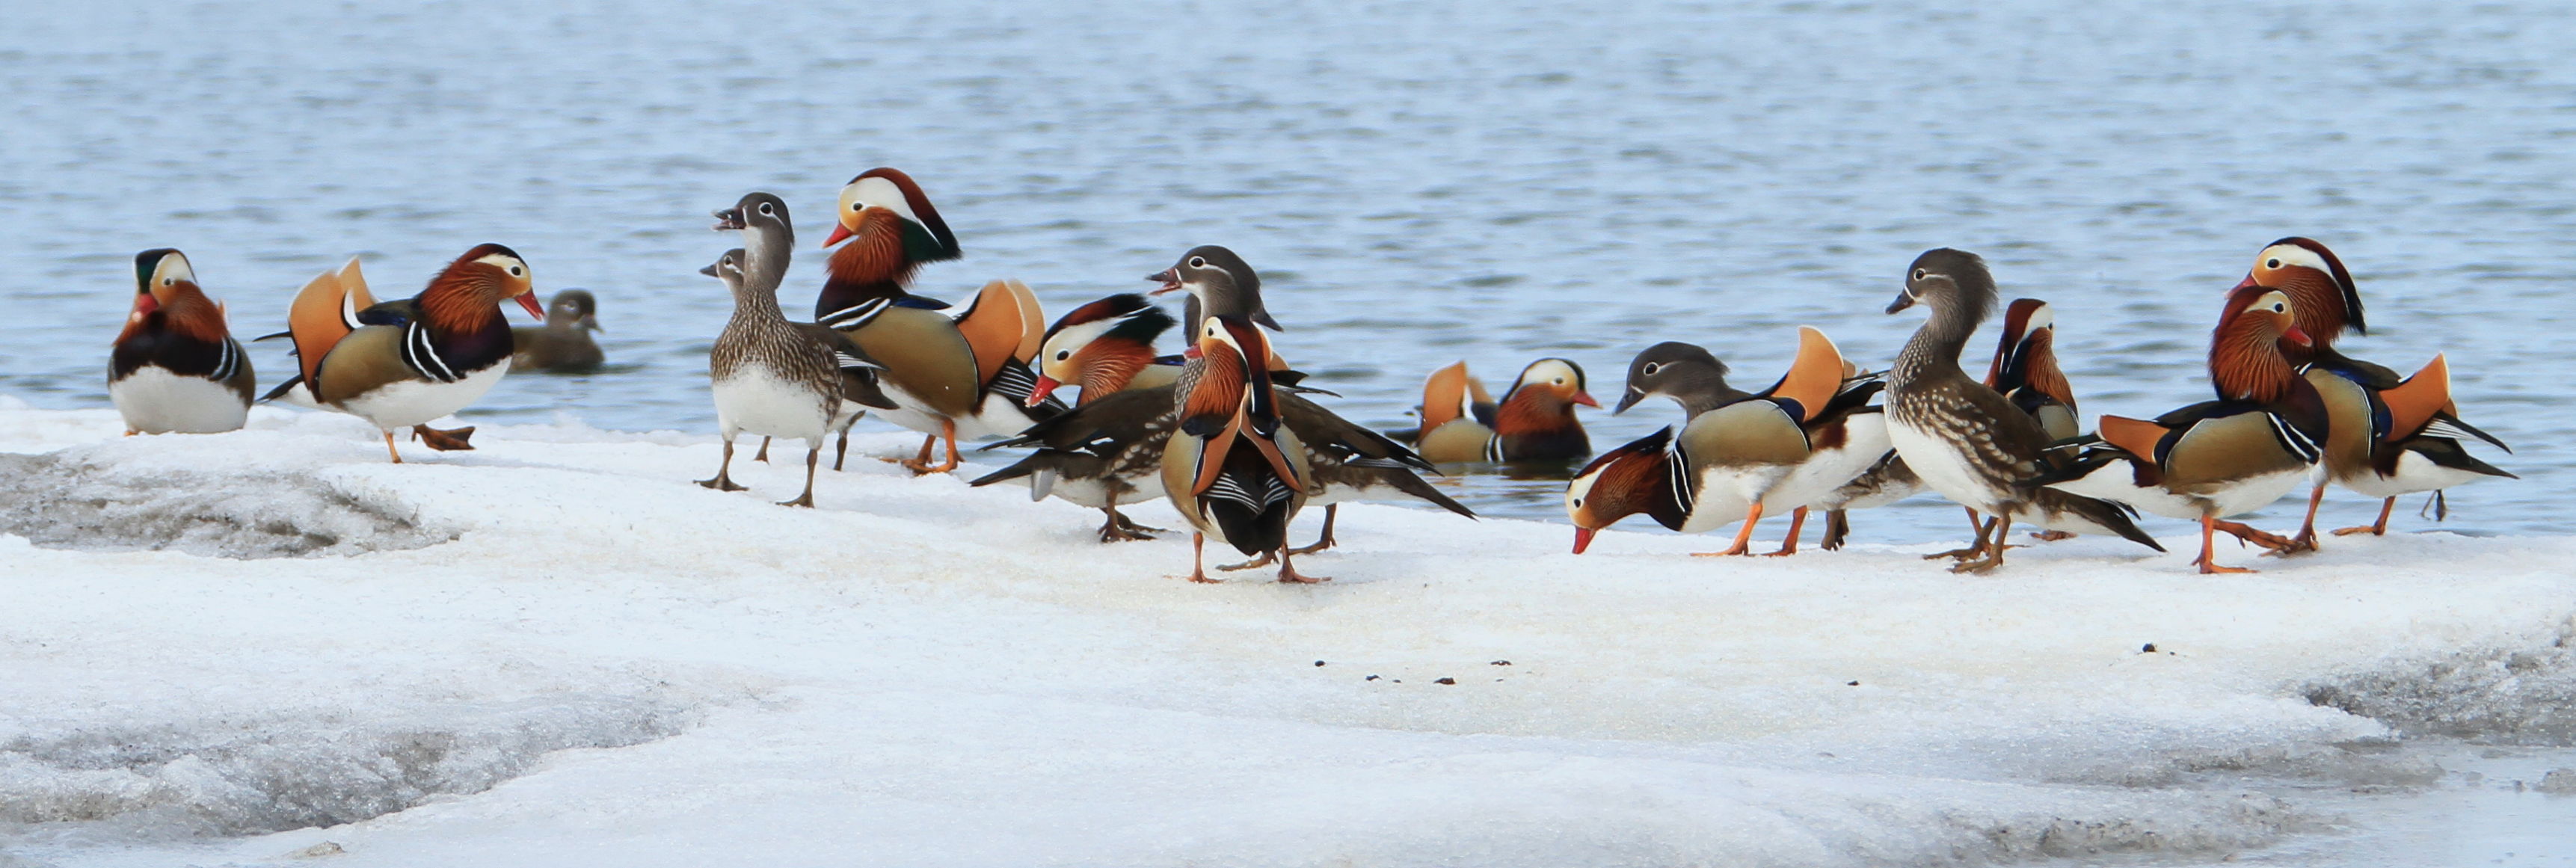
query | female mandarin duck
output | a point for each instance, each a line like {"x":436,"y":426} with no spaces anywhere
{"x":1968,"y":441}
{"x":2372,"y":447}
{"x":403,"y":363}
{"x":1230,"y":467}
{"x":778,"y":378}
{"x":1786,"y":447}
{"x":2210,"y":460}
{"x":176,"y":367}
{"x":965,"y":376}
{"x":1533,"y":422}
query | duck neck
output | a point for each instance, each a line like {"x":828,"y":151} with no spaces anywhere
{"x":1936,"y":346}
{"x":766,"y":253}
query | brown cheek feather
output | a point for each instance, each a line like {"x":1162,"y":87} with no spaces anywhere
{"x":875,"y":251}
{"x":2041,"y":370}
{"x":190,"y":313}
{"x":464,"y":298}
{"x":1108,"y":364}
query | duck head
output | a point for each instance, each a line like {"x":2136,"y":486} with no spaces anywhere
{"x":1675,"y":370}
{"x":464,"y":292}
{"x":727,"y":268}
{"x":1099,"y":346}
{"x":2245,"y":359}
{"x":165,"y":283}
{"x":1634,"y":478}
{"x":886,"y":200}
{"x":2317,"y":283}
{"x":1219,"y":283}
{"x":1943,"y":276}
{"x":574,"y":309}
{"x":1551,"y":384}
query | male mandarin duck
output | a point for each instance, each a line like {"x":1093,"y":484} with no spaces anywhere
{"x":1966,"y":440}
{"x":1106,"y":451}
{"x":175,"y":367}
{"x":2210,"y":460}
{"x":2371,"y":448}
{"x":403,"y":363}
{"x":1104,"y":347}
{"x":1695,"y":379}
{"x":949,"y":377}
{"x":1231,"y":468}
{"x":1533,"y":422}
{"x":2025,"y":372}
{"x":1787,"y":447}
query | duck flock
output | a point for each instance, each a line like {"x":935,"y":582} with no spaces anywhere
{"x":1231,"y":435}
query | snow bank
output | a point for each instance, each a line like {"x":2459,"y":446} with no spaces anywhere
{"x":591,"y":660}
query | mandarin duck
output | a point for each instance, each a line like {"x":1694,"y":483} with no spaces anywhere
{"x":778,"y":378}
{"x":1231,"y":468}
{"x":1968,"y":441}
{"x":403,"y":363}
{"x":1534,"y":421}
{"x":1785,"y":447}
{"x":176,"y":368}
{"x":2207,"y":461}
{"x":949,"y":377}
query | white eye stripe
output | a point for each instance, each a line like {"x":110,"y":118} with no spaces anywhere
{"x":2286,"y":255}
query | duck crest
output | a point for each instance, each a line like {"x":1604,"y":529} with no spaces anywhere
{"x":2330,"y":307}
{"x":925,"y":236}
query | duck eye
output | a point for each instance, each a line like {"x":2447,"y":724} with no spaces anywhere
{"x":1920,"y":274}
{"x":169,"y":281}
{"x":1196,"y":262}
{"x":1061,"y":355}
{"x":2271,"y":263}
{"x":765,"y":209}
{"x":1651,"y":368}
{"x":515,"y":271}
{"x":2278,"y":307}
{"x":1578,"y":501}
{"x":858,"y":206}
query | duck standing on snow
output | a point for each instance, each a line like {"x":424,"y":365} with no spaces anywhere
{"x":2386,"y":437}
{"x":965,"y":376}
{"x":1786,"y":447}
{"x":1967,"y":441}
{"x":1695,"y":379}
{"x":2218,"y":458}
{"x":1533,"y":422}
{"x":769,"y":244}
{"x":1345,"y":461}
{"x":1230,"y":467}
{"x":176,"y":368}
{"x":563,"y":343}
{"x":773,"y":377}
{"x":403,"y":363}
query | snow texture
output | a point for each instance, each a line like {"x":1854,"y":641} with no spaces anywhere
{"x":594,"y":661}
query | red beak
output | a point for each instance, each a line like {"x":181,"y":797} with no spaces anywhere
{"x":2248,"y":281}
{"x":529,"y":301}
{"x":1582,"y":539}
{"x":2294,"y":335}
{"x":1585,"y":399}
{"x":1046,"y":386}
{"x":840,"y":232}
{"x":144,"y":303}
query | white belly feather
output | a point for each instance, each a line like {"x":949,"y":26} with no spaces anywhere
{"x":155,"y":401}
{"x":404,"y":403}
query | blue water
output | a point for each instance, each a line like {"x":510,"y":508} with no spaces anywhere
{"x":1418,"y":183}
